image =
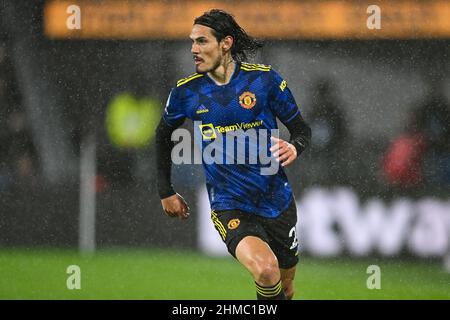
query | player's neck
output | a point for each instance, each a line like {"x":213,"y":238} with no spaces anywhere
{"x":222,"y":74}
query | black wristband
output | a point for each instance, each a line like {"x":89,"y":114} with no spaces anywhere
{"x":299,"y":144}
{"x":165,"y":193}
{"x":300,"y":133}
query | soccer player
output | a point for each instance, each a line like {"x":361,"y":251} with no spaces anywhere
{"x":254,"y":213}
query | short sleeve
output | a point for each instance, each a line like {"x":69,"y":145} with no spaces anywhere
{"x":174,"y":114}
{"x":282,"y":102}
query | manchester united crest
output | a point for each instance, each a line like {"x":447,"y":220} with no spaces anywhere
{"x":247,"y":100}
{"x":233,"y":224}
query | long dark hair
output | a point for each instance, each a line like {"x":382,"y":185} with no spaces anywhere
{"x":223,"y":24}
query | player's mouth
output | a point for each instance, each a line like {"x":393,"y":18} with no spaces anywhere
{"x":198,"y":60}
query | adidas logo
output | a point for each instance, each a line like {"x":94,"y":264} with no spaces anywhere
{"x":202,"y":109}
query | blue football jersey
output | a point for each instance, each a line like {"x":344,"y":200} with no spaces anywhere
{"x":254,"y":97}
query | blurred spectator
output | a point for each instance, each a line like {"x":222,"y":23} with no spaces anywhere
{"x":19,"y":155}
{"x":422,"y":155}
{"x":329,"y":134}
{"x":433,"y":120}
{"x":403,"y":160}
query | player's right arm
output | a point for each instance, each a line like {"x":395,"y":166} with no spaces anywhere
{"x":173,"y":204}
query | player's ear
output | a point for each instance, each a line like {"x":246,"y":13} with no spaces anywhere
{"x":227,"y":43}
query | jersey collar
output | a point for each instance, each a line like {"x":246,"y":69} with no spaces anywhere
{"x":237,"y":67}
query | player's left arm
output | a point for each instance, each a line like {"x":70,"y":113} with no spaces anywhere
{"x":285,"y":108}
{"x":287,"y":151}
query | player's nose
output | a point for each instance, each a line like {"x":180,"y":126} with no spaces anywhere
{"x":195,"y":49}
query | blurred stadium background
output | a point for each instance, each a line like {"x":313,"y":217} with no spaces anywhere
{"x":79,"y":101}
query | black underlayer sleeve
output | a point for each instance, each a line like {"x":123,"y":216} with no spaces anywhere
{"x":164,"y":146}
{"x":300,"y":133}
